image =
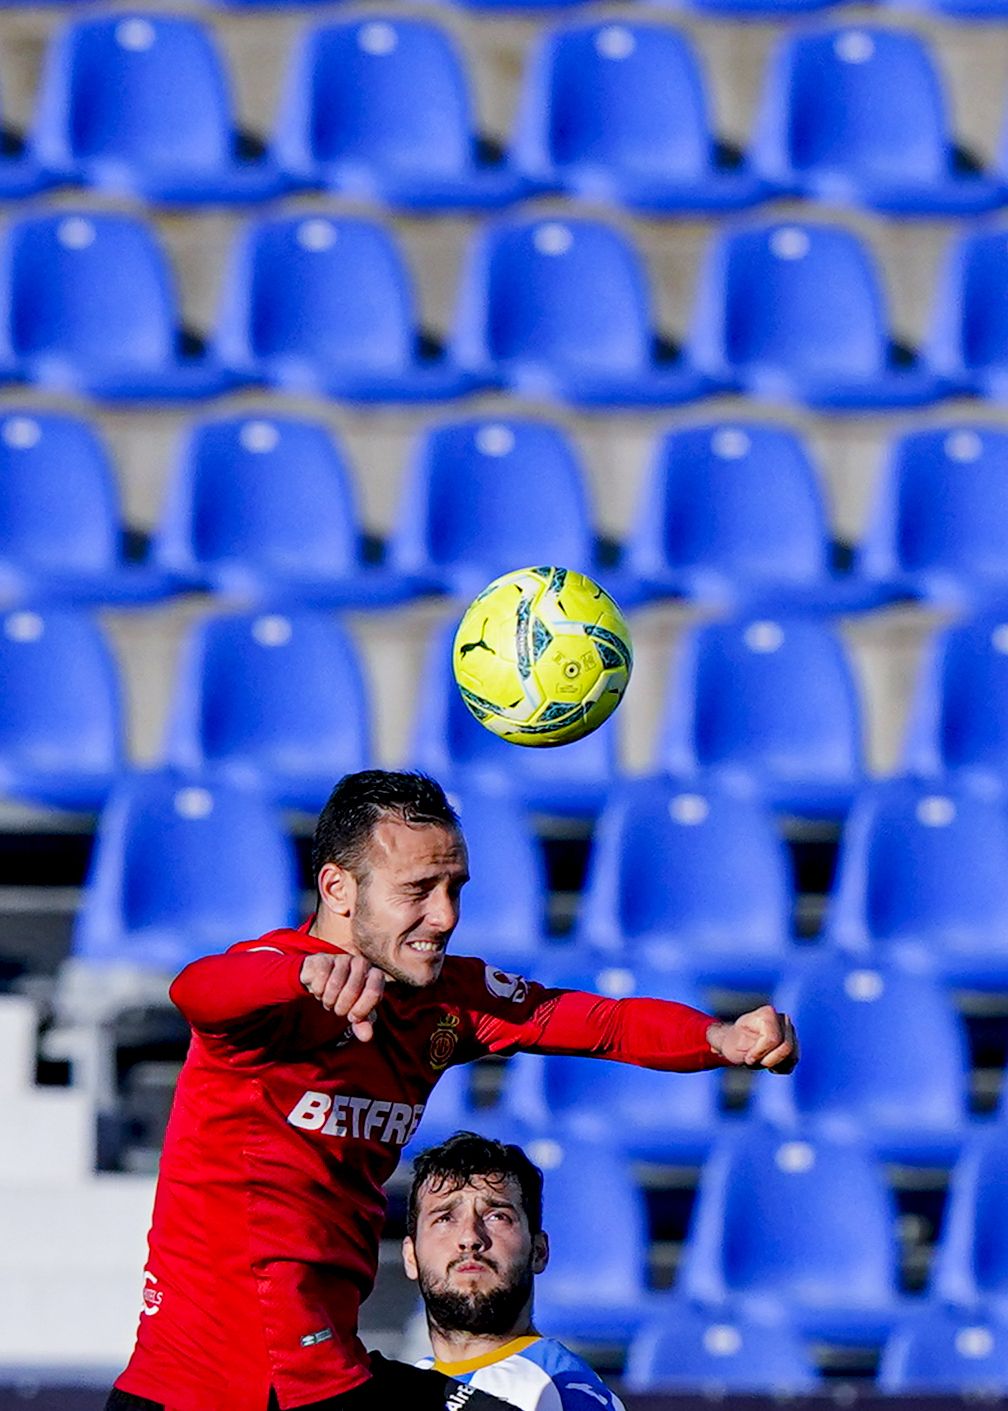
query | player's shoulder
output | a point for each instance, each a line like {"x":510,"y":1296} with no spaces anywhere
{"x":579,"y":1386}
{"x":468,"y":979}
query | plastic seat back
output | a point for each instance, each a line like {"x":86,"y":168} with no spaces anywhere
{"x":772,"y":702}
{"x":941,"y":513}
{"x":266,"y":493}
{"x":274,"y":698}
{"x":687,"y":1348}
{"x":959,"y":715}
{"x":800,"y":1223}
{"x":59,"y":511}
{"x":850,"y":1079}
{"x":565,"y":293}
{"x":623,"y":98}
{"x":803,"y":300}
{"x":484,"y":496}
{"x":739,"y":501}
{"x":148,"y":91}
{"x":317,"y":290}
{"x":955,"y":1351}
{"x":971,"y":1260}
{"x":94,"y":290}
{"x":231,"y":878}
{"x":861,"y":105}
{"x":350,"y":98}
{"x":691,"y":868}
{"x":61,"y":714}
{"x":926,"y":865}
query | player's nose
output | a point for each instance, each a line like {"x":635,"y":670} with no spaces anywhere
{"x":442,"y":912}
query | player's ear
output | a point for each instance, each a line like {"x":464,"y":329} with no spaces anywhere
{"x":337,"y":889}
{"x":540,"y":1252}
{"x":409,"y":1259}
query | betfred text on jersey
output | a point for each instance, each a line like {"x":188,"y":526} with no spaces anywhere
{"x":370,"y":1118}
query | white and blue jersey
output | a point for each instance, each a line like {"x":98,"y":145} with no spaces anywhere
{"x":535,"y":1374}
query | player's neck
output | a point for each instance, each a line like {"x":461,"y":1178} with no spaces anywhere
{"x":334,"y":930}
{"x":452,"y":1345}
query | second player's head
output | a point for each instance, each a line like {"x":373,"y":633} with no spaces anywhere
{"x":474,"y":1235}
{"x":389,"y":862}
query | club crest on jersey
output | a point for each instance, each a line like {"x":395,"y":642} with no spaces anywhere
{"x":505,"y":985}
{"x":443,"y":1042}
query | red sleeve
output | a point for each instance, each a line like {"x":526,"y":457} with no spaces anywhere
{"x":219,"y":992}
{"x":652,"y":1033}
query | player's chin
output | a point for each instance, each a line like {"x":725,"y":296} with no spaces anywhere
{"x":421,"y":963}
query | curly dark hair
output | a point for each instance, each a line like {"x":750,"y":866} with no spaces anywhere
{"x":466,"y":1154}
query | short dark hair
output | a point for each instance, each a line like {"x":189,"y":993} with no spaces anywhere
{"x":358,"y":804}
{"x":464,"y":1155}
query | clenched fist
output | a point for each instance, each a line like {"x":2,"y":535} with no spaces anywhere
{"x":761,"y":1039}
{"x":348,"y":985}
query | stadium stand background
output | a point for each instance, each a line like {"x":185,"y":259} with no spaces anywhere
{"x":76,"y":1174}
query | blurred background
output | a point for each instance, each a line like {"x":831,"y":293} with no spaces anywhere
{"x":316,"y":318}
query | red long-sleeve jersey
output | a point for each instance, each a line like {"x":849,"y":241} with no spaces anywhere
{"x":284,"y":1129}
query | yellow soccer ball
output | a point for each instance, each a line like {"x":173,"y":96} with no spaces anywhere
{"x":542,"y":656}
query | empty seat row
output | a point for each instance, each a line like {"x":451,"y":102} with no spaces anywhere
{"x":548,"y":308}
{"x":615,"y":112}
{"x":793,"y":1230}
{"x":769,"y":707}
{"x":855,"y":1082}
{"x":262,"y":508}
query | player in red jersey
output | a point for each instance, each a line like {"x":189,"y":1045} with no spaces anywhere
{"x":313,"y":1053}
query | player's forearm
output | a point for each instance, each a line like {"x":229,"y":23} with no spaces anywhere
{"x":652,"y":1033}
{"x":220,"y":990}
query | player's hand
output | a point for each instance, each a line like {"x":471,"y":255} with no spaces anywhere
{"x":347,"y":985}
{"x":761,"y":1039}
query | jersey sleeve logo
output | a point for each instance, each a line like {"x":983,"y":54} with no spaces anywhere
{"x":506,"y":986}
{"x":443,"y":1041}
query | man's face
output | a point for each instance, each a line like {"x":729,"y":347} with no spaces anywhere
{"x":473,"y":1255}
{"x":406,"y":901}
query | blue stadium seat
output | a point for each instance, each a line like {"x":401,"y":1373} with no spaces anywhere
{"x":923,"y":878}
{"x":272,"y":699}
{"x":967,"y":344}
{"x":90,"y":308}
{"x":232,"y":873}
{"x":857,"y":115}
{"x":503,"y":913}
{"x":939,"y":527}
{"x":971,"y":1261}
{"x":767,"y":704}
{"x":733,"y":514}
{"x":324,"y":305}
{"x":618,"y":113}
{"x":686,"y":875}
{"x":60,"y":524}
{"x":683,"y":1348}
{"x":349,"y":120}
{"x":795,"y":312}
{"x":139,"y":105}
{"x":943,"y":1350}
{"x":61,"y":714}
{"x":261,"y":508}
{"x":596,"y":1291}
{"x":797,"y":1226}
{"x":959,"y":714}
{"x":451,"y":744}
{"x":955,"y":9}
{"x":483,"y":496}
{"x":450,"y":1108}
{"x":854,"y":1080}
{"x":560,"y":309}
{"x":647,"y":1115}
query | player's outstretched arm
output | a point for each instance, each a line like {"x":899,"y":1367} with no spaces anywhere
{"x":219,"y":993}
{"x":763,"y":1038}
